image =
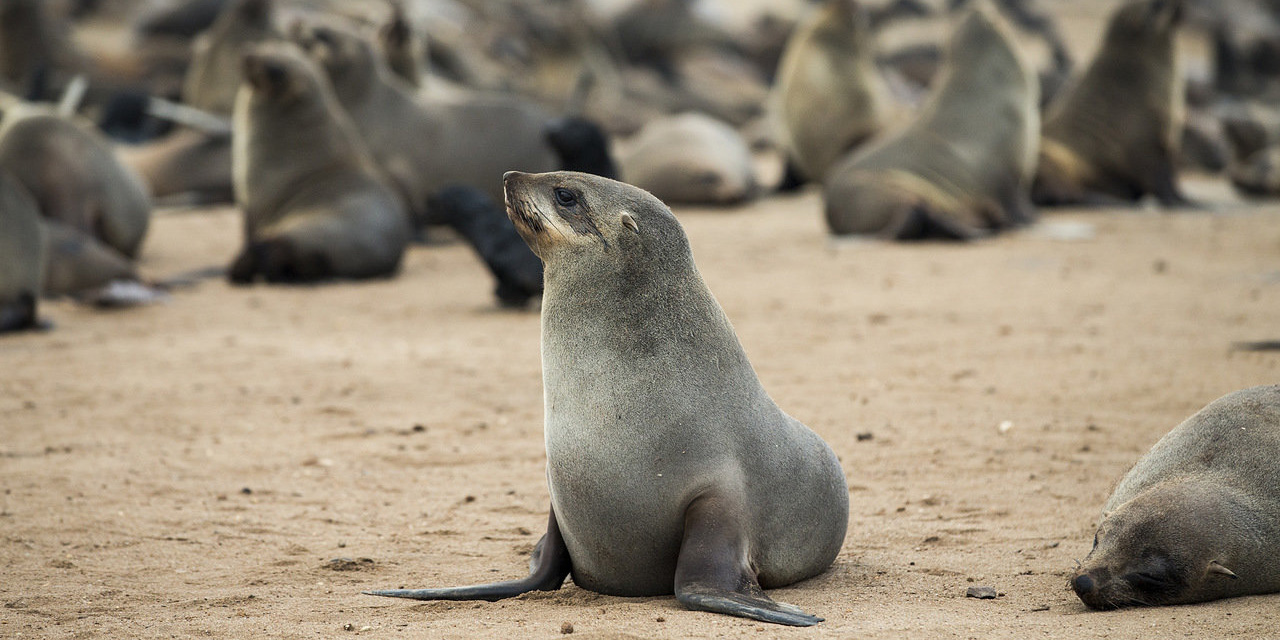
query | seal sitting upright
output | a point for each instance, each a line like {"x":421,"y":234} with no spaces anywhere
{"x":670,"y":468}
{"x":1114,"y":136}
{"x":964,"y":168}
{"x":1198,"y":518}
{"x":315,"y":205}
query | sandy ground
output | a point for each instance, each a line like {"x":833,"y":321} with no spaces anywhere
{"x":193,"y":469}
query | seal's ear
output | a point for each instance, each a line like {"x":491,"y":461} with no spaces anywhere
{"x":630,"y":222}
{"x":1214,"y":567}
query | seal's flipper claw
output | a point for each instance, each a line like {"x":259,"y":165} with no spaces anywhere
{"x":762,"y":609}
{"x":489,"y":592}
{"x":549,"y":567}
{"x":713,"y":572}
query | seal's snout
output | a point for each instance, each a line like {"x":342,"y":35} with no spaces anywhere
{"x":510,"y":178}
{"x":1083,"y":585}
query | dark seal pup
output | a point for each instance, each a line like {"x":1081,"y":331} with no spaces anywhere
{"x":1198,"y":518}
{"x":670,"y":468}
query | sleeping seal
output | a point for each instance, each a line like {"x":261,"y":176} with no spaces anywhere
{"x":963,"y":169}
{"x":1198,"y":517}
{"x":690,"y":158}
{"x":670,"y":468}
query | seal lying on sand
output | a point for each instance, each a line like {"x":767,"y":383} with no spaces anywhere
{"x":690,"y":158}
{"x":315,"y":205}
{"x":670,"y":467}
{"x":964,"y":167}
{"x":1198,"y":517}
{"x":1114,"y":135}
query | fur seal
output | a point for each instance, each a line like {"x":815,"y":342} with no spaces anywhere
{"x":1198,"y":517}
{"x":690,"y":158}
{"x":1114,"y":135}
{"x":79,"y":265}
{"x":964,"y":167}
{"x":670,"y":467}
{"x":75,"y":178}
{"x":214,"y":77}
{"x":426,"y":144}
{"x":315,"y":204}
{"x":829,"y":96}
{"x":21,"y":256}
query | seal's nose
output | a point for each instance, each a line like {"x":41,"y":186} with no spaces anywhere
{"x":508,"y":180}
{"x":1083,"y":584}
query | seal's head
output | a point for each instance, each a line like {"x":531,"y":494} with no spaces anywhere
{"x":845,"y":23}
{"x":569,"y":213}
{"x":1145,"y":21}
{"x":347,"y":57}
{"x":278,"y":73}
{"x":1159,"y":548}
{"x":255,"y":13}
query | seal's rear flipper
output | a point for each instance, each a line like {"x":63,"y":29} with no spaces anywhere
{"x":714,"y":572}
{"x":920,"y":222}
{"x":120,"y":294}
{"x":548,"y":568}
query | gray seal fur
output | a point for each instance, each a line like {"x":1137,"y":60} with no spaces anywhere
{"x":1198,"y":517}
{"x":670,"y":467}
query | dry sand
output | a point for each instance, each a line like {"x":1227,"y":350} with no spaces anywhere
{"x":192,"y":469}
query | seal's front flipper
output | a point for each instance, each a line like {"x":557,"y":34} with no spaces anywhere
{"x":714,"y":572}
{"x":549,"y":567}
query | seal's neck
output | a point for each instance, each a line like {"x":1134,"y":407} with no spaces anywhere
{"x":612,"y":315}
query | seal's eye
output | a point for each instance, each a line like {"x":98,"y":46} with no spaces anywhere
{"x":565,"y":197}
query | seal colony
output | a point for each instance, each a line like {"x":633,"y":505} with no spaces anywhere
{"x":1198,"y":517}
{"x":671,"y":469}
